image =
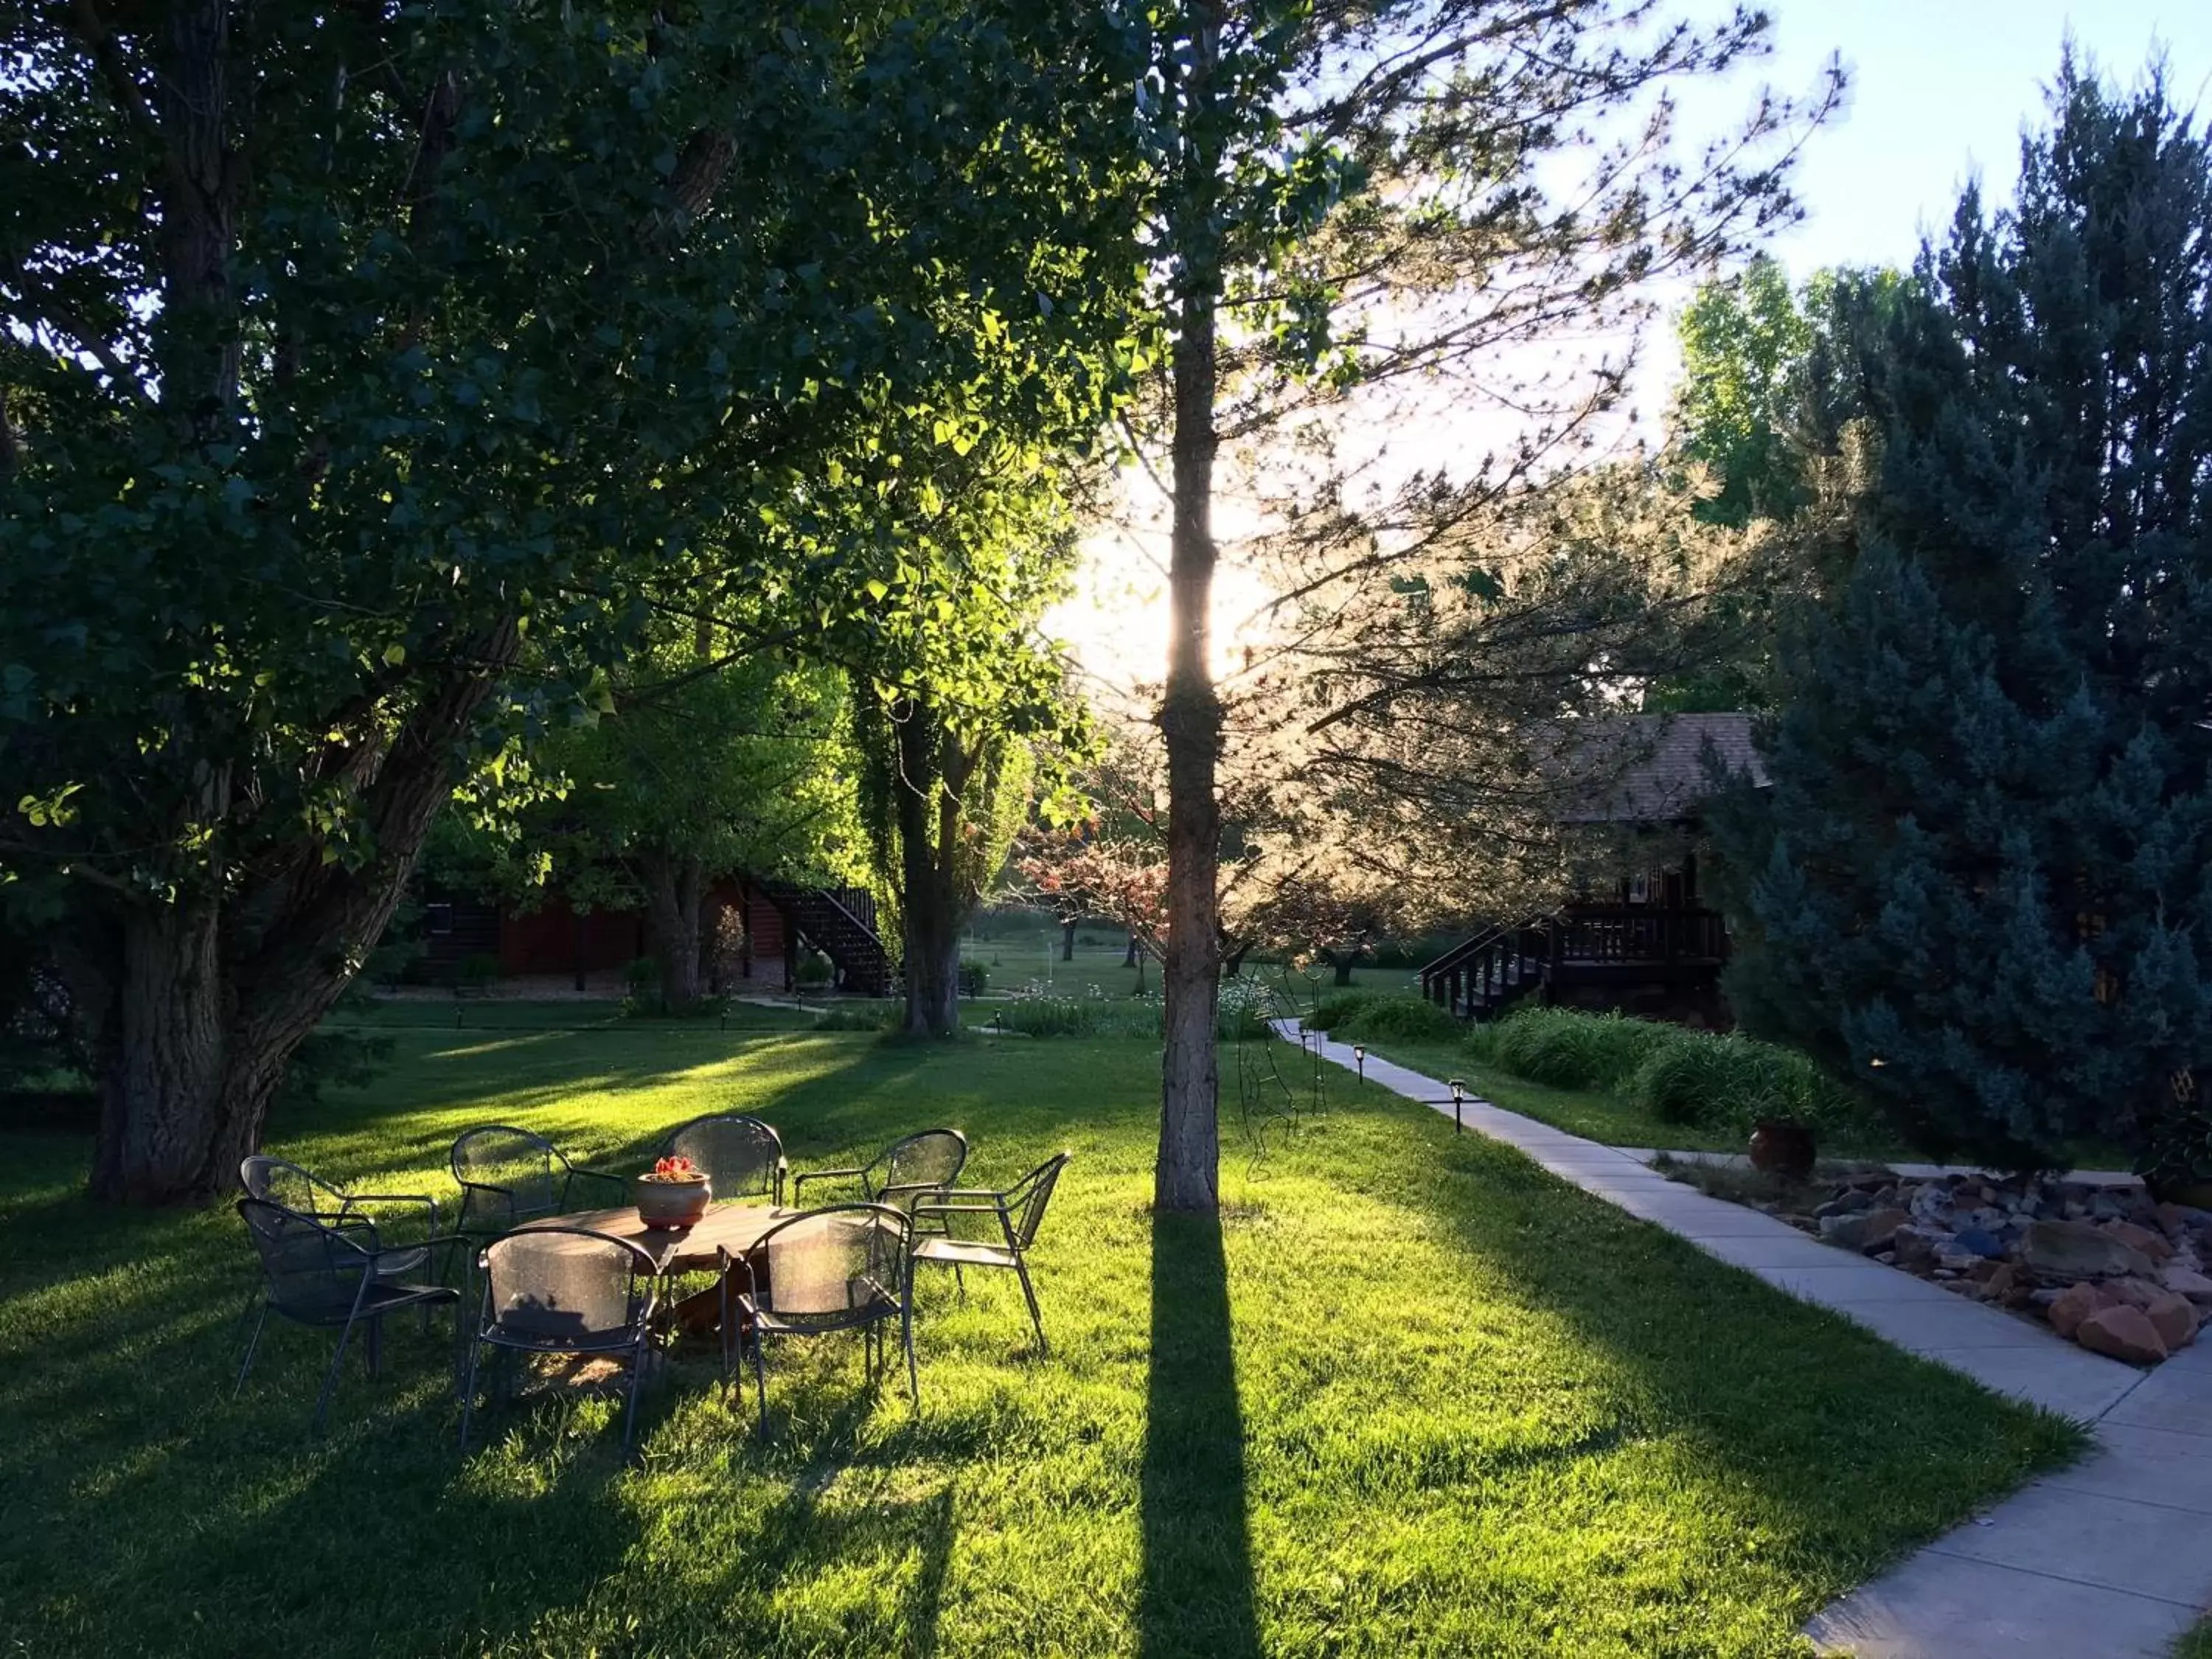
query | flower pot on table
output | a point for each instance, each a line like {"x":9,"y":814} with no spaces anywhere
{"x":664,"y":1203}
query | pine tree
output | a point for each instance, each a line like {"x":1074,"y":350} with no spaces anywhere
{"x":1982,"y":878}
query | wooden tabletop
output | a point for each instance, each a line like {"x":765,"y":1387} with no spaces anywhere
{"x":734,"y":1227}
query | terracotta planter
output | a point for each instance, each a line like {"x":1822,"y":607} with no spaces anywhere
{"x":668,"y":1204}
{"x":1781,"y":1147}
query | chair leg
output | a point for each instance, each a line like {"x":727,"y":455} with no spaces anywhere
{"x":912,"y":1375}
{"x":469,"y":1392}
{"x":331,"y":1376}
{"x":1022,"y":1268}
{"x":760,"y":1377}
{"x":959,"y":1285}
{"x":629,"y":1412}
{"x":252,"y":1346}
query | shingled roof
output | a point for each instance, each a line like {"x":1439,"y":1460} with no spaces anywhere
{"x":1650,"y":769}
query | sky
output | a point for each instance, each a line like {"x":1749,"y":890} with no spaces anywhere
{"x":1939,"y":92}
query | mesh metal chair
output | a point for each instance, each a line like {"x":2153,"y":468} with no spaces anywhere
{"x":563,"y":1291}
{"x":836,"y":1269}
{"x":510,"y":1175}
{"x":925,"y":1163}
{"x":313,"y":1273}
{"x":1020,"y":1210}
{"x":289,"y":1187}
{"x":742,"y":1157}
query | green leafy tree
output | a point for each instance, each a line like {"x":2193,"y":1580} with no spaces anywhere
{"x":1745,"y":340}
{"x":1981,"y":885}
{"x":1770,"y":378}
{"x":371,"y":376}
{"x":958,"y":701}
{"x":707,"y":767}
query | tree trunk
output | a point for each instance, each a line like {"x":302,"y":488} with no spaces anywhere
{"x":1132,"y":958}
{"x":1185,"y":1176}
{"x":1068,"y":939}
{"x":930,"y":908}
{"x":194,"y":1008}
{"x":1343,"y":966}
{"x":675,"y":896}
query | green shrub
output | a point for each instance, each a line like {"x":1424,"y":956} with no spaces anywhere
{"x":1402,"y":1019}
{"x":476,"y":969}
{"x":1570,"y":1050}
{"x":1338,"y":1007}
{"x":1732,"y":1082}
{"x":813,"y":970}
{"x":974,"y":979}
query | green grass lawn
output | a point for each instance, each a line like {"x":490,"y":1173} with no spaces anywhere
{"x":1031,"y":962}
{"x":1410,"y":1395}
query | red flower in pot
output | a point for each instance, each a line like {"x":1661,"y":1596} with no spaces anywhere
{"x":674,"y":1193}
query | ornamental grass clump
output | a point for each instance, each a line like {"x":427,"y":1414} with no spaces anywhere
{"x":1403,"y":1019}
{"x":1736,"y":1082}
{"x":1570,"y":1050}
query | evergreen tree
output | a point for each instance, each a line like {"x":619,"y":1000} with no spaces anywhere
{"x":1981,"y":881}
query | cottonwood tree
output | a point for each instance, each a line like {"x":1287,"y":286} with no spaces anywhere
{"x":367,"y":375}
{"x":1981,"y":885}
{"x":1351,"y":198}
{"x":956,"y":700}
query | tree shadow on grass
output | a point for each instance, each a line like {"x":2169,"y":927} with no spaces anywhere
{"x":1196,"y":1596}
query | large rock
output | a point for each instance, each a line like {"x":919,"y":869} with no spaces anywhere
{"x":1864,"y":1230}
{"x":2136,"y":1292}
{"x":2174,"y":1320}
{"x":2184,"y":1281}
{"x":2072,"y":1249}
{"x":2001,"y":1282}
{"x":1982,"y":1241}
{"x":2178,"y":1219}
{"x":2124,"y":1334}
{"x":2077,"y":1304}
{"x":2151,"y":1244}
{"x":1915,"y":1247}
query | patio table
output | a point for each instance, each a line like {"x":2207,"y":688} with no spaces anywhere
{"x":733,"y":1227}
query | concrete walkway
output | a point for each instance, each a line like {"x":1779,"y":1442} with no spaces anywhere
{"x":2110,"y":1559}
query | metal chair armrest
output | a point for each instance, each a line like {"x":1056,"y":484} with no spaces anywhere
{"x":575,"y":1169}
{"x":434,"y":1243}
{"x":799,"y":1182}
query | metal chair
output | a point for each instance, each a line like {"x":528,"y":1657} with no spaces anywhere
{"x":1020,"y":1210}
{"x":564,"y":1291}
{"x":289,"y":1187}
{"x":510,"y":1175}
{"x":742,"y":1157}
{"x":313,"y":1273}
{"x":836,"y":1269}
{"x":925,"y":1163}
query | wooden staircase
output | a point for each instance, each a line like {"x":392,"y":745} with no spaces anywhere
{"x":1483,"y":978}
{"x":841,"y":923}
{"x":1635,"y":957}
